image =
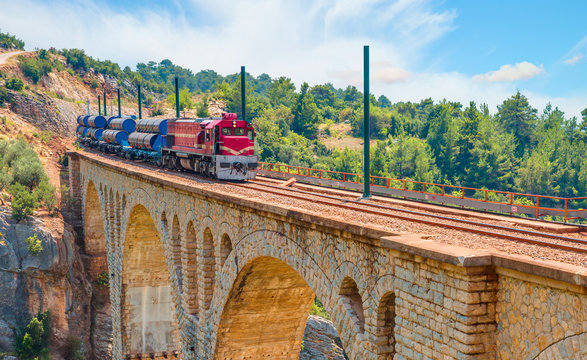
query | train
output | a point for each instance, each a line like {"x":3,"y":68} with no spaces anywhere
{"x":216,"y":147}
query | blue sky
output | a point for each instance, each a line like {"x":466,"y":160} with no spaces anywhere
{"x":458,"y":50}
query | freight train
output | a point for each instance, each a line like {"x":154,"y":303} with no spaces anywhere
{"x":220,"y":147}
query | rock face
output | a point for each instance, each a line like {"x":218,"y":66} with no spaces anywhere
{"x":53,"y":280}
{"x":321,"y":341}
{"x":46,"y":112}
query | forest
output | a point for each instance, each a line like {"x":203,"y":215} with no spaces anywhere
{"x":514,"y":148}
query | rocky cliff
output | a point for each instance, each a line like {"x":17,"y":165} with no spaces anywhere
{"x":52,"y":280}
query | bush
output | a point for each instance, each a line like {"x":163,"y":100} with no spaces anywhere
{"x":13,"y":150}
{"x":28,"y":171}
{"x":23,"y":202}
{"x":5,"y":178}
{"x":43,"y":54}
{"x":34,"y":245}
{"x":319,"y":310}
{"x":94,"y":83}
{"x":45,"y":195}
{"x":72,"y":349}
{"x":35,"y":69}
{"x":14,"y":84}
{"x":103,"y":279}
{"x":31,"y":69}
{"x":3,"y":95}
{"x":32,"y":341}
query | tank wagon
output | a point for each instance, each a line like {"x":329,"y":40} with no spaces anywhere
{"x":221,"y":147}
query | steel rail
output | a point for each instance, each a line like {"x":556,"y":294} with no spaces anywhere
{"x":425,"y":221}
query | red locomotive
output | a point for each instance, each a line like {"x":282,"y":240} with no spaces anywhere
{"x":222,"y":148}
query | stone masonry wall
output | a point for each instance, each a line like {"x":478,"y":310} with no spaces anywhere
{"x":387,"y":295}
{"x":535,"y":321}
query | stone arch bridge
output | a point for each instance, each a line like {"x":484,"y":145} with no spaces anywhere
{"x":195,"y":274}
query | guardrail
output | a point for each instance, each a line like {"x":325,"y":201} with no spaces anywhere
{"x":485,"y":199}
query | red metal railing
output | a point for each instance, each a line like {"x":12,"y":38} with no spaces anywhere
{"x":514,"y":199}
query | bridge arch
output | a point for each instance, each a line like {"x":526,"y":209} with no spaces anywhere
{"x":264,"y":296}
{"x":94,"y":226}
{"x":148,"y":321}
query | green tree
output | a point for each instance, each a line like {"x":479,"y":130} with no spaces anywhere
{"x":442,"y":138}
{"x":281,"y":92}
{"x":306,"y":115}
{"x":519,"y":118}
{"x":77,"y":59}
{"x":494,"y":162}
{"x":10,"y":42}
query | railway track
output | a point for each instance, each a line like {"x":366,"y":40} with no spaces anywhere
{"x":365,"y":206}
{"x":493,"y":230}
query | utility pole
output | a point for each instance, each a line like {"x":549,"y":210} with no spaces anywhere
{"x":366,"y":125}
{"x":243,"y":94}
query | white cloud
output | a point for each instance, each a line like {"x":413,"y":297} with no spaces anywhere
{"x":520,"y":71}
{"x":315,"y":41}
{"x":575,"y":59}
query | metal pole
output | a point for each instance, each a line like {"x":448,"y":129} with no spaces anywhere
{"x":243,"y":94}
{"x":140,"y":107}
{"x":88,"y":102}
{"x":99,"y":106}
{"x":105,"y":103}
{"x":176,"y":97}
{"x":119,"y":112}
{"x":366,"y":125}
{"x":111,"y":108}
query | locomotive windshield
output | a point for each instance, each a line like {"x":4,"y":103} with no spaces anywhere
{"x":250,"y":134}
{"x":239,"y":131}
{"x":226,"y":131}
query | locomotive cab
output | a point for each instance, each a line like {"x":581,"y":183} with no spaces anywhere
{"x":217,"y":147}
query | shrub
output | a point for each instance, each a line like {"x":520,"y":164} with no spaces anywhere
{"x":45,"y":195}
{"x":5,"y":178}
{"x":28,"y":171}
{"x":23,"y":202}
{"x":157,"y":110}
{"x":14,"y":84}
{"x":13,"y":150}
{"x":103,"y":279}
{"x":34,"y":245}
{"x":319,"y":310}
{"x":43,"y":54}
{"x":72,"y":349}
{"x":31,"y":69}
{"x":45,"y":136}
{"x":94,"y":83}
{"x":35,"y":69}
{"x":3,"y":95}
{"x":32,"y":341}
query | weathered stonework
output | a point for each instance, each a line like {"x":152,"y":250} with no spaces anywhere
{"x":237,"y":279}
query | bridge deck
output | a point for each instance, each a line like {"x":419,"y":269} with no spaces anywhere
{"x":402,"y":233}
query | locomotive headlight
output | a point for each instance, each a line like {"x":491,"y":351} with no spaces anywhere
{"x":234,"y":124}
